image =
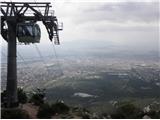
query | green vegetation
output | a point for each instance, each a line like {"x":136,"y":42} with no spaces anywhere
{"x":44,"y":111}
{"x":154,"y":114}
{"x":127,"y":110}
{"x":59,"y":107}
{"x":84,"y":113}
{"x":14,"y":114}
{"x":37,"y":97}
{"x":22,"y":96}
{"x":122,"y":110}
{"x":3,"y":98}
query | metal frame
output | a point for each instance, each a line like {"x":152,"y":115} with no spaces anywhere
{"x":17,"y":11}
{"x":14,"y":13}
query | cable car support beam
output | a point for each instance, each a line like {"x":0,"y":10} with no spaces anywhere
{"x":14,"y":13}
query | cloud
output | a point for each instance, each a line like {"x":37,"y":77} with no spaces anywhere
{"x":112,"y":12}
{"x":124,"y":23}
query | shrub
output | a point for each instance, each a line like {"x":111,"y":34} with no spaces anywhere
{"x":85,"y":116}
{"x":3,"y":98}
{"x":84,"y":113}
{"x":21,"y":94}
{"x":44,"y":111}
{"x":14,"y":114}
{"x":59,"y":107}
{"x":37,"y":97}
{"x":22,"y":97}
{"x":154,"y":114}
{"x":127,"y":110}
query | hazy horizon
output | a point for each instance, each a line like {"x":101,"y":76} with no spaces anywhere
{"x":126,"y":24}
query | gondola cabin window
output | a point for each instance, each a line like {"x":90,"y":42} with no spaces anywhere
{"x":28,"y":33}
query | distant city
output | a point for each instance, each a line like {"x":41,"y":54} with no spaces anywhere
{"x":91,"y":79}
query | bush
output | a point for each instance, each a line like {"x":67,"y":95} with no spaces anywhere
{"x":22,"y":97}
{"x":14,"y":114}
{"x":3,"y":98}
{"x":154,"y":114}
{"x":59,"y":107}
{"x":84,"y":113}
{"x":127,"y":110}
{"x":85,"y":116}
{"x":44,"y":111}
{"x":38,"y":97}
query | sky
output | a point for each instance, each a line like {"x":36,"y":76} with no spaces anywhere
{"x":132,"y":24}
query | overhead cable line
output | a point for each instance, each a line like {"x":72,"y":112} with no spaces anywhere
{"x":39,"y":52}
{"x":58,"y":63}
{"x":21,"y":57}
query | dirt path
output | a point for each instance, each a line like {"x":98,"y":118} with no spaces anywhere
{"x":31,"y":109}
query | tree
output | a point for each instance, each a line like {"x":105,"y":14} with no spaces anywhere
{"x":38,"y":96}
{"x":47,"y":111}
{"x":22,"y":96}
{"x":14,"y":114}
{"x":3,"y":98}
{"x":59,"y":107}
{"x":44,"y":111}
{"x":127,"y":110}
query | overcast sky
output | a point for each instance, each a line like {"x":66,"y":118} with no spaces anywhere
{"x":134,"y":24}
{"x":124,"y":23}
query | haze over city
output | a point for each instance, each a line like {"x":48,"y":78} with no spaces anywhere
{"x":109,"y":53}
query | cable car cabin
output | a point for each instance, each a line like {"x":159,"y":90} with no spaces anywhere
{"x":28,"y":33}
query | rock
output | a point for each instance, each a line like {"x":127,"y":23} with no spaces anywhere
{"x":146,"y":109}
{"x":146,"y":117}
